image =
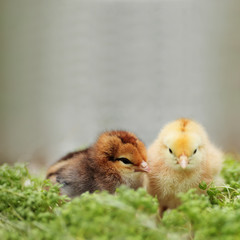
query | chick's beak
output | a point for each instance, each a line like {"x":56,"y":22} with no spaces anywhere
{"x":143,"y":167}
{"x":183,"y":161}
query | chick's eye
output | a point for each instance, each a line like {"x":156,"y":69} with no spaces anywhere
{"x":194,"y":151}
{"x":124,"y":160}
{"x":170,"y":150}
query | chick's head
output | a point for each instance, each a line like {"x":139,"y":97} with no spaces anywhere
{"x":183,"y":144}
{"x":122,"y":151}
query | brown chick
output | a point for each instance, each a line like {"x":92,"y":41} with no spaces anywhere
{"x":180,"y":158}
{"x":117,"y":157}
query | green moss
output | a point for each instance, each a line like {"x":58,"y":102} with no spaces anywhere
{"x":33,"y":209}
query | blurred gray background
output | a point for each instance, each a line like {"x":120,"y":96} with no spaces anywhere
{"x":72,"y":69}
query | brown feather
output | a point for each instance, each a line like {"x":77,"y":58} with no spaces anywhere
{"x":98,"y":167}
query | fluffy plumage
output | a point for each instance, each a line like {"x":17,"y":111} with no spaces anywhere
{"x":180,"y":158}
{"x":117,"y":157}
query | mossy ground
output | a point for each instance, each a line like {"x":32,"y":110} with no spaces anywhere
{"x":31,"y":208}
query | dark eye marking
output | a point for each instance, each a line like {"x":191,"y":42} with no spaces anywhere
{"x":170,"y":150}
{"x":195,"y":151}
{"x":124,"y":160}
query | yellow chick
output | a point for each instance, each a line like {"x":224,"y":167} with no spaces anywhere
{"x":180,"y":158}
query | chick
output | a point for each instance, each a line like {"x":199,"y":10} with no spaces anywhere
{"x":117,"y":157}
{"x":180,"y":158}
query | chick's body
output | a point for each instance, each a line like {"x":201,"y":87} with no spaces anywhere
{"x":117,"y":157}
{"x":180,"y":158}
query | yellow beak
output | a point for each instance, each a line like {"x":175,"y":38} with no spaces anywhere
{"x":183,"y":161}
{"x":143,"y":167}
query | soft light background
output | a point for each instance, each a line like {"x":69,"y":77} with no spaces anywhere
{"x":72,"y":69}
